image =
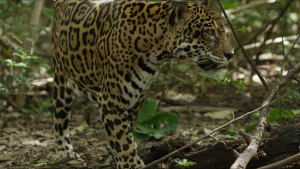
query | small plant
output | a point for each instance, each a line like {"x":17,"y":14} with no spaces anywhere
{"x":238,"y":83}
{"x":184,"y":162}
{"x":20,"y":70}
{"x":154,"y":124}
{"x":42,"y":107}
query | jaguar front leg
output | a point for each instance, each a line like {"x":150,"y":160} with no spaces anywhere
{"x":120,"y":139}
{"x":133,"y":113}
{"x":62,"y":101}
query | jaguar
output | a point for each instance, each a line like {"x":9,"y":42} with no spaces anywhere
{"x":110,"y":51}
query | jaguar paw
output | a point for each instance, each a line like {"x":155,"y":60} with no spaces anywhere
{"x":67,"y":154}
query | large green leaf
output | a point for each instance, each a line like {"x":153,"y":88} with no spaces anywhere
{"x":147,"y":110}
{"x":157,"y":126}
{"x":274,"y":114}
{"x":163,"y":121}
{"x":140,"y":136}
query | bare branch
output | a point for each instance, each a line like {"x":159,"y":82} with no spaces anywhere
{"x":284,"y":162}
{"x":292,"y":100}
{"x":246,"y":136}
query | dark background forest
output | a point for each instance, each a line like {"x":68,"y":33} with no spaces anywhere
{"x":269,"y":32}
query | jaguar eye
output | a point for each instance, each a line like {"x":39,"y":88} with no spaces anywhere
{"x":210,"y":32}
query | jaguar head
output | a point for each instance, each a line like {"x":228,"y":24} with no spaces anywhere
{"x":198,"y":35}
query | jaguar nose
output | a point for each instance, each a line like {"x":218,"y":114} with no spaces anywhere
{"x":228,"y":55}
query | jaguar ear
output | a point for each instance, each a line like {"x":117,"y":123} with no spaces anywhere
{"x":178,"y":14}
{"x":204,"y":2}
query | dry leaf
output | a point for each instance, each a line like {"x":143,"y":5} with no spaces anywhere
{"x":223,"y":114}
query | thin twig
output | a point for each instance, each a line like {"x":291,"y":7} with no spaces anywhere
{"x":292,"y":100}
{"x":287,"y":107}
{"x":284,"y":162}
{"x":242,"y":48}
{"x":293,"y":46}
{"x":290,"y":63}
{"x":224,"y":108}
{"x":296,"y":80}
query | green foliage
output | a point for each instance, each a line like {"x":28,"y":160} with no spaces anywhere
{"x":295,"y":95}
{"x":20,"y":69}
{"x":48,"y":12}
{"x":184,"y":162}
{"x":42,"y":107}
{"x":38,"y":163}
{"x":16,"y":33}
{"x":230,"y":131}
{"x":274,"y":115}
{"x":251,"y":128}
{"x":229,"y":5}
{"x":224,"y":79}
{"x":151,"y":124}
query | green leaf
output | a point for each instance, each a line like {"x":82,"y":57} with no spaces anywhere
{"x":296,"y":111}
{"x":184,"y":162}
{"x":229,"y":5}
{"x":8,"y":62}
{"x":23,"y":65}
{"x":157,"y":126}
{"x":296,"y":95}
{"x":27,"y":111}
{"x":231,"y":133}
{"x":22,"y":55}
{"x":48,"y":12}
{"x":273,"y":115}
{"x":163,"y":121}
{"x":255,"y":115}
{"x":27,"y":83}
{"x":9,"y":81}
{"x":140,"y":136}
{"x":147,"y":110}
{"x":250,"y":129}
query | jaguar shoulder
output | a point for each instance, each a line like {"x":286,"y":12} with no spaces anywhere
{"x":110,"y":52}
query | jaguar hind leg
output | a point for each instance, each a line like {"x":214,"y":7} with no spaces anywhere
{"x":62,"y":101}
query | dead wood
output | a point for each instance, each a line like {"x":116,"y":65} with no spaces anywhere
{"x":252,"y":149}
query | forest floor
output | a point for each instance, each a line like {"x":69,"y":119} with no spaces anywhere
{"x":27,"y":140}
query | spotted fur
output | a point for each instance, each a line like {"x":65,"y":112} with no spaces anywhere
{"x":110,"y":52}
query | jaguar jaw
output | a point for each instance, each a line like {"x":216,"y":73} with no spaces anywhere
{"x":210,"y":65}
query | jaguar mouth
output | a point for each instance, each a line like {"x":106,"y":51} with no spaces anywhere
{"x":211,"y":66}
